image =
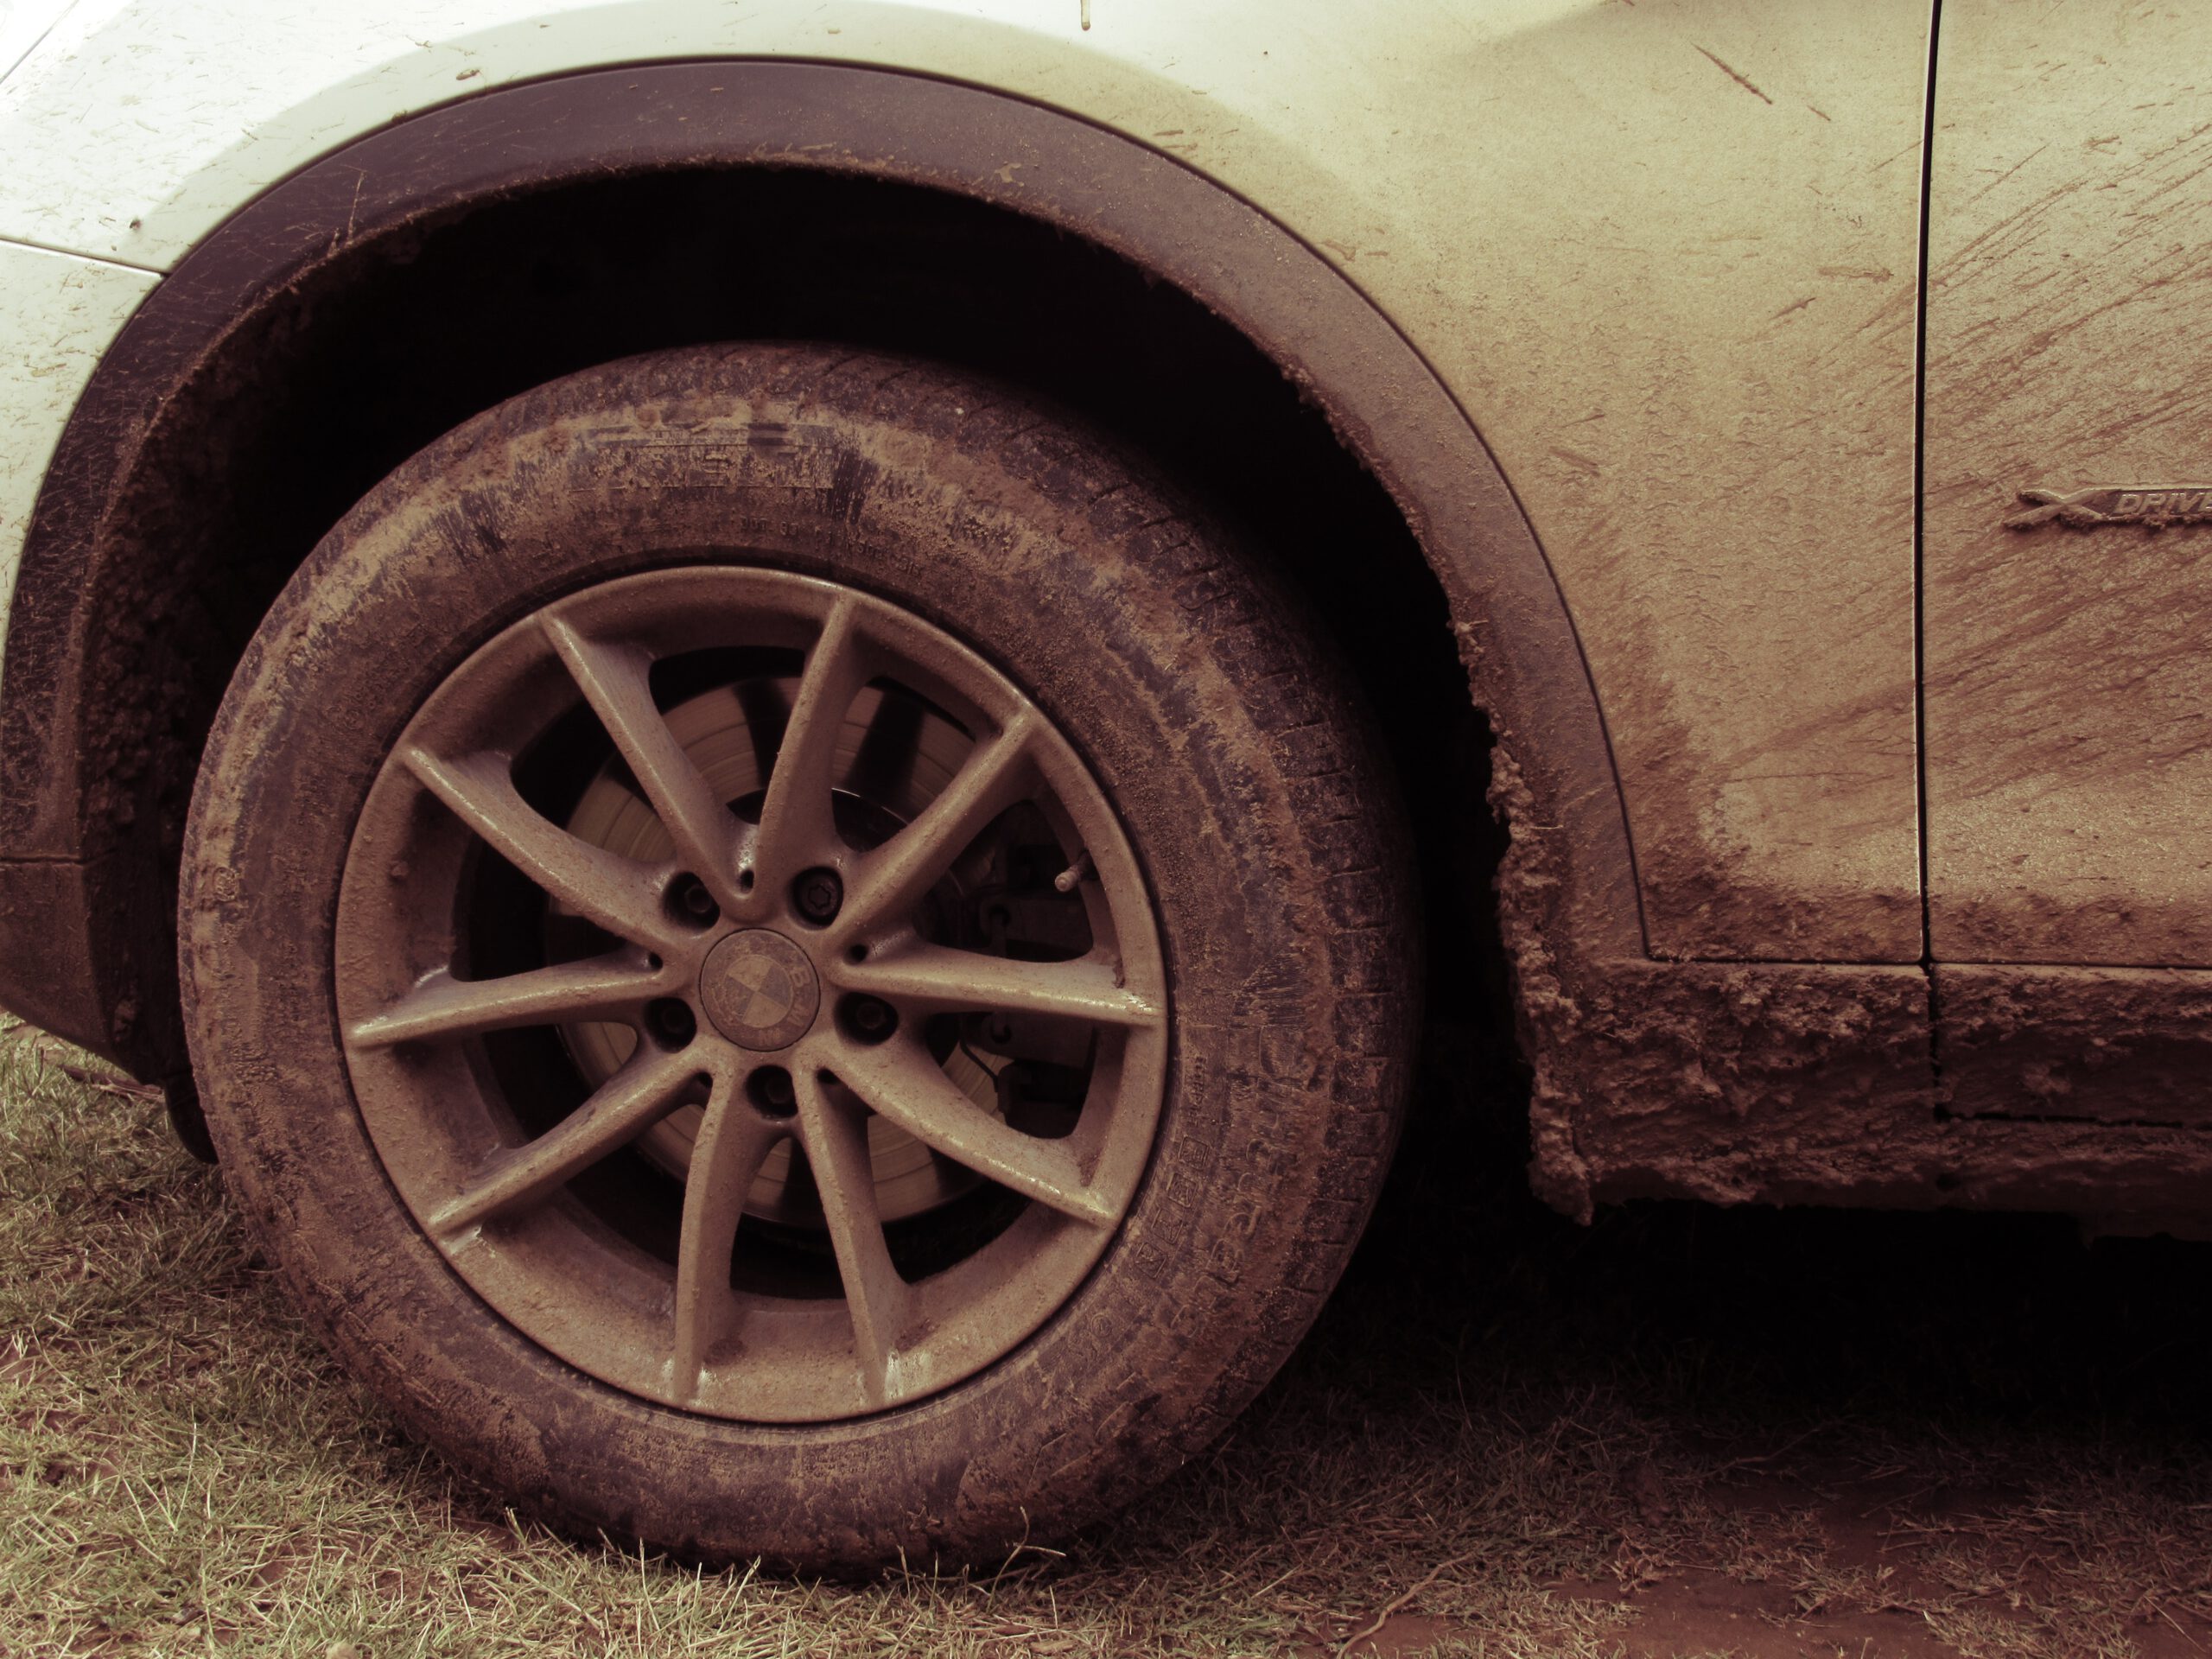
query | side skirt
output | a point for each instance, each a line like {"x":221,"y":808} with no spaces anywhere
{"x":2087,"y":1091}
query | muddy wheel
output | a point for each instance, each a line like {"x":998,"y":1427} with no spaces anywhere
{"x":792,"y":960}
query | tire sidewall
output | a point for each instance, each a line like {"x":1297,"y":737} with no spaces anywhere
{"x":1199,"y":704}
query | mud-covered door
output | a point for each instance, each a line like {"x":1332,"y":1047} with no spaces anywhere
{"x":2068,"y":550}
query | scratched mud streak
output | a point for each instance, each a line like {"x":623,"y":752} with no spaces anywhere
{"x":2069,"y":732}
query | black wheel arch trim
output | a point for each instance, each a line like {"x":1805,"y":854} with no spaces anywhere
{"x":70,"y":860}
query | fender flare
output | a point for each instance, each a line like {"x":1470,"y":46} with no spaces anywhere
{"x":66,"y":853}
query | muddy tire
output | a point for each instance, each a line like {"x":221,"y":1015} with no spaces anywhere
{"x":759,"y":1130}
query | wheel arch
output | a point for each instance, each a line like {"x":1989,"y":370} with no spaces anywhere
{"x":119,"y":639}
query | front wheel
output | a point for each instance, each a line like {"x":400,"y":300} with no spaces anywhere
{"x":792,"y":962}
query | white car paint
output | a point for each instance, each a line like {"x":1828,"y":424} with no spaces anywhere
{"x":59,"y":314}
{"x":1663,"y":253}
{"x":23,"y":24}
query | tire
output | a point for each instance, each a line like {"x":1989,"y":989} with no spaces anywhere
{"x":1222,"y":1009}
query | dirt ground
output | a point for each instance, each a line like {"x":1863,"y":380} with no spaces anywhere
{"x":1897,"y":1543}
{"x":1826,"y":1433}
{"x":1680,"y":1431}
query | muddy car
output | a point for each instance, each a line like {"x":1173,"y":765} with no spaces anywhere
{"x":761,"y":714}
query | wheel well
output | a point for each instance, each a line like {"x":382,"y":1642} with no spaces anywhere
{"x":295,"y":415}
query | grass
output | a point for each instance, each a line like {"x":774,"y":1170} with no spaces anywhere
{"x":1520,"y":1437}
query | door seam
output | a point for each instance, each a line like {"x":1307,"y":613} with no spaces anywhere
{"x":1920,"y":570}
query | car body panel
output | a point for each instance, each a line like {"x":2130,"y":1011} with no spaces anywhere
{"x":2068,"y":704}
{"x":22,"y":26}
{"x":61,"y":312}
{"x":1663,"y":258}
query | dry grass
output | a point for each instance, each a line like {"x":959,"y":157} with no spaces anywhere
{"x":1973,"y":1430}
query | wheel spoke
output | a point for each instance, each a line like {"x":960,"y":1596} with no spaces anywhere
{"x":933,"y":979}
{"x":615,"y":680}
{"x":618,"y":894}
{"x":623,"y":1108}
{"x":732,"y":1141}
{"x":903,"y":1082}
{"x":995,"y":775}
{"x":797,"y":826}
{"x":610,"y":987}
{"x":834,"y":1136}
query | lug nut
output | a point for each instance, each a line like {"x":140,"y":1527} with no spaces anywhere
{"x":869,"y":1019}
{"x":817,"y":895}
{"x":689,"y":901}
{"x":771,"y":1091}
{"x":671,"y":1023}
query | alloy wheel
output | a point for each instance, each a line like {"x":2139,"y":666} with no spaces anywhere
{"x":751,"y":993}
